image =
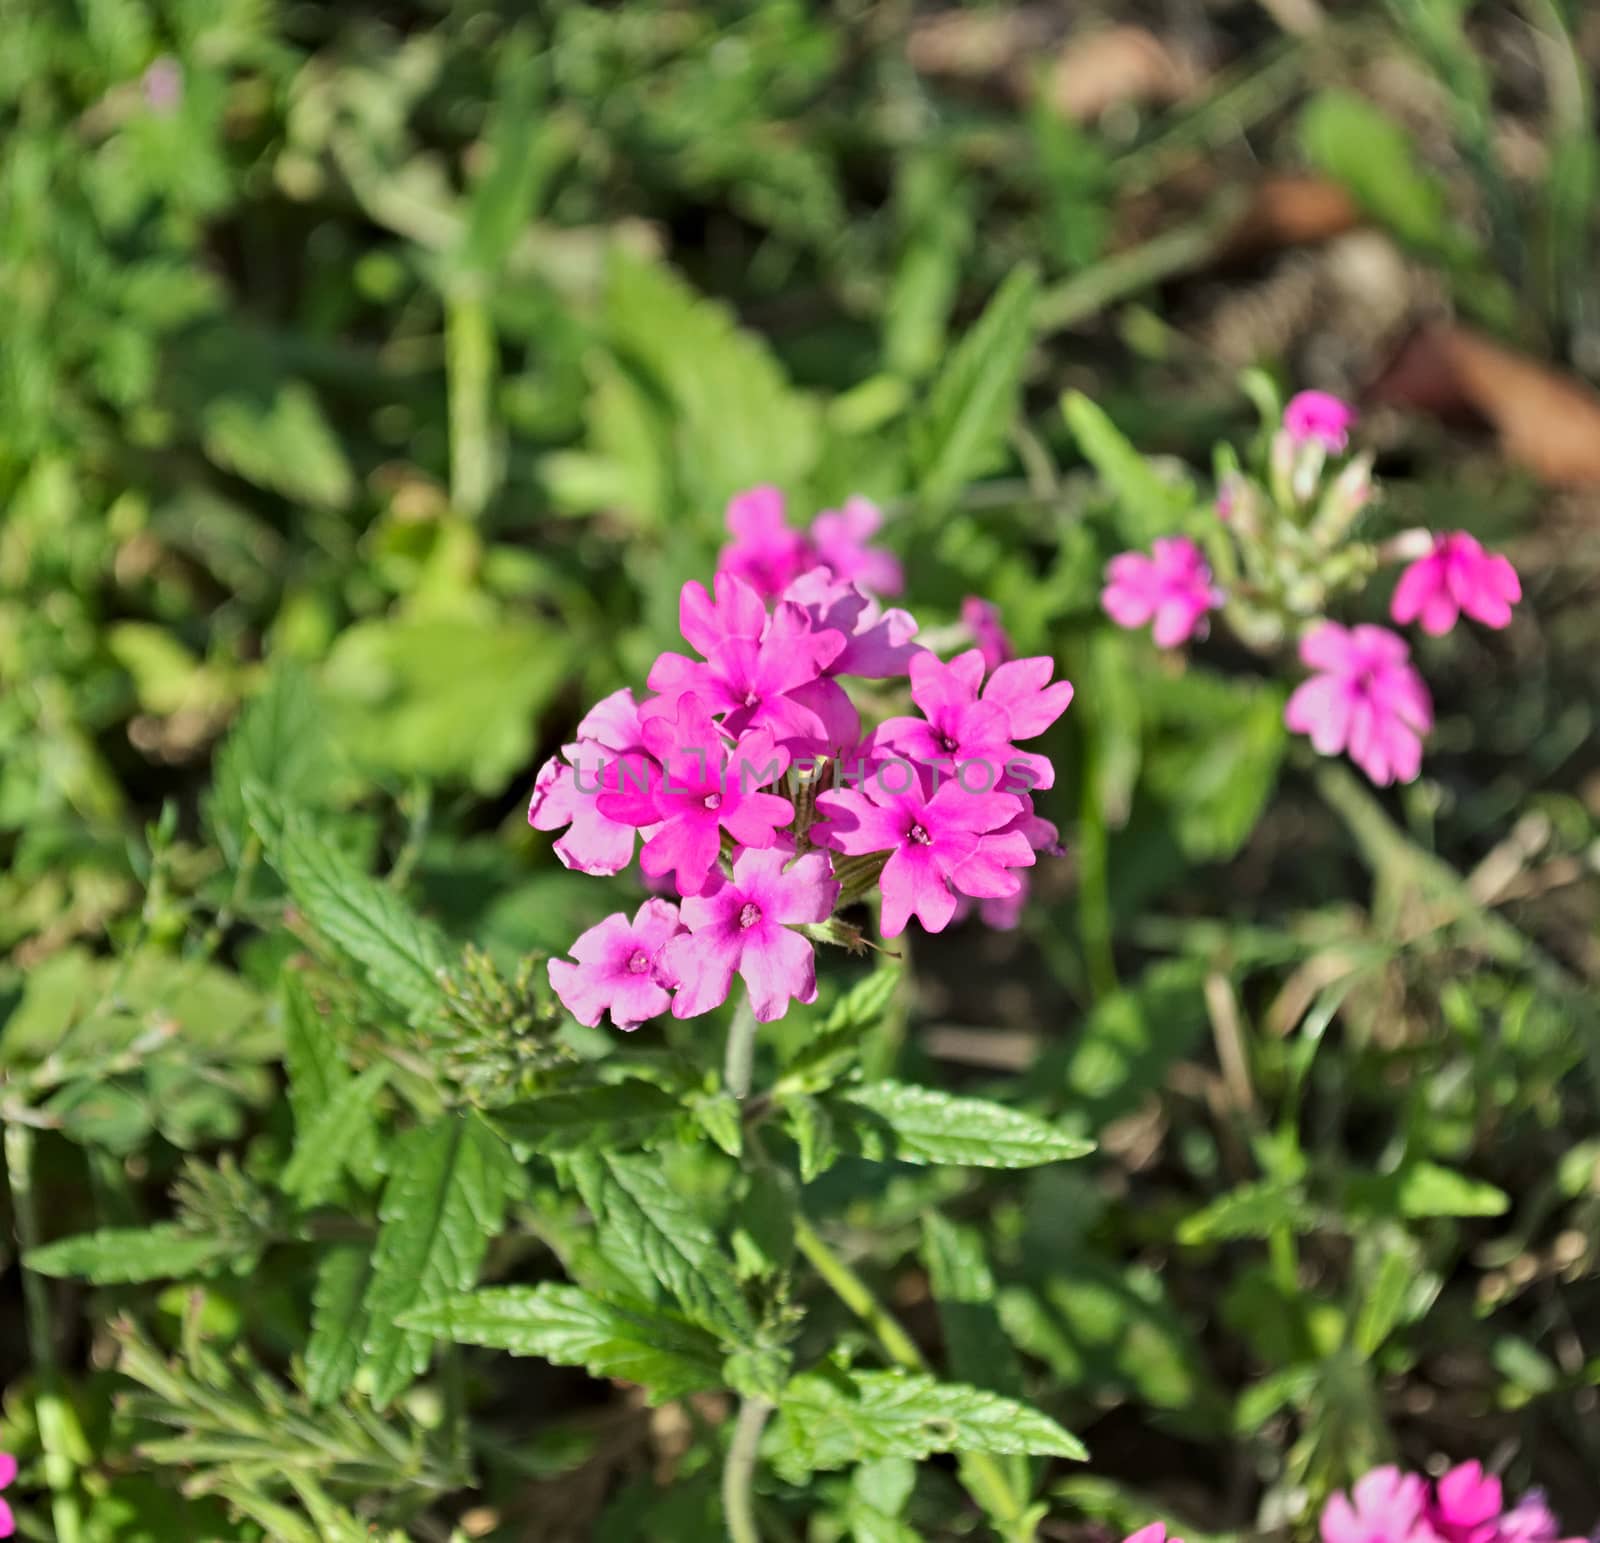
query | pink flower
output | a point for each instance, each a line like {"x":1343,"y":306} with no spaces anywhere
{"x":982,"y":620}
{"x":1465,"y":1505}
{"x":952,"y":841}
{"x":744,"y":924}
{"x":8,"y":1472}
{"x":877,"y":644}
{"x":566,"y":793}
{"x":1531,"y":1521}
{"x":1315,"y":417}
{"x":1156,"y":1532}
{"x":1366,"y":700}
{"x":754,"y":665}
{"x":1387,"y":1508}
{"x":619,"y":968}
{"x":1005,"y":911}
{"x":764,"y":552}
{"x":839,"y":537}
{"x":701,"y":788}
{"x":1173,"y":586}
{"x":1456,"y":576}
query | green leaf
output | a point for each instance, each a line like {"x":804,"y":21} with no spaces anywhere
{"x":961,"y":432}
{"x":122,"y":1255}
{"x":895,"y":1121}
{"x":402,"y":956}
{"x":1426,"y":1189}
{"x":976,"y":1347}
{"x":572,"y":1327}
{"x":1384,"y":1302}
{"x":821,"y":1060}
{"x":614,"y":1117}
{"x":324,"y":1147}
{"x":831,"y":1419}
{"x":1250,"y":1211}
{"x":442,"y":1204}
{"x":338,"y":1321}
{"x":314,"y":1060}
{"x":283,"y":443}
{"x":720,"y":1117}
{"x":653,"y":1234}
{"x":1147,"y":505}
{"x":812,"y":1127}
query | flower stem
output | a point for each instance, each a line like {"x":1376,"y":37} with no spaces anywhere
{"x":984,"y":1477}
{"x":739,"y":1064}
{"x":54,"y":1417}
{"x":739,"y":1471}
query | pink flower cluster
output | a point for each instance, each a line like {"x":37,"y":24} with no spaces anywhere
{"x":1364,"y":698}
{"x":8,"y":1472}
{"x":1466,"y":1505}
{"x":759,"y":800}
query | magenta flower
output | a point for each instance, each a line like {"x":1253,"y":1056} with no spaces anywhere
{"x":1456,"y":576}
{"x":620,"y":969}
{"x":1156,"y":1532}
{"x":1531,"y":1520}
{"x":764,"y":552}
{"x":1172,"y":586}
{"x":952,"y":841}
{"x":839,"y":537}
{"x":745,"y":924}
{"x":8,"y":1473}
{"x":982,"y":621}
{"x":565,"y":793}
{"x":1384,"y":1506}
{"x":1004,"y":912}
{"x":1366,"y":700}
{"x":751,"y":676}
{"x":877,"y":643}
{"x":701,"y":788}
{"x":1316,"y":417}
{"x":1465,"y":1505}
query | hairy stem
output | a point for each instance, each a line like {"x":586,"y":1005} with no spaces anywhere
{"x":739,"y":1471}
{"x":739,"y":1064}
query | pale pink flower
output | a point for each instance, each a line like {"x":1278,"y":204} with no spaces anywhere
{"x":951,"y":841}
{"x":764,"y":552}
{"x":1465,"y":1505}
{"x":839,"y":537}
{"x":1316,"y":417}
{"x":1384,"y":1506}
{"x":1456,"y":576}
{"x":701,"y":787}
{"x":162,"y":88}
{"x":565,"y":793}
{"x":1366,"y":700}
{"x":8,"y":1472}
{"x":1172,"y":587}
{"x":982,"y":620}
{"x":619,"y":969}
{"x":1531,"y":1520}
{"x":745,"y":924}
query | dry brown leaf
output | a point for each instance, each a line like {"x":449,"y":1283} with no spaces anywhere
{"x":975,"y":45}
{"x":1121,"y":64}
{"x":1546,"y":421}
{"x":1289,"y":211}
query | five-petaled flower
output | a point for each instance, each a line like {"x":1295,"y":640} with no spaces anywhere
{"x":1456,"y":576}
{"x":1171,"y":587}
{"x":619,"y":968}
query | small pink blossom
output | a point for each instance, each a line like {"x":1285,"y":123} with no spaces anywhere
{"x":1531,"y":1520}
{"x":982,"y":621}
{"x":1156,"y":1532}
{"x":1456,"y":576}
{"x":951,"y":841}
{"x":162,"y":88}
{"x":744,"y":925}
{"x":696,"y":787}
{"x":1172,"y":586}
{"x":764,"y":552}
{"x":1316,"y":417}
{"x":1384,"y":1506}
{"x":839,"y":538}
{"x":1365,"y":699}
{"x":619,"y":969}
{"x":877,"y":644}
{"x":1004,"y":912}
{"x":566,"y":792}
{"x":8,"y":1473}
{"x":1465,"y":1505}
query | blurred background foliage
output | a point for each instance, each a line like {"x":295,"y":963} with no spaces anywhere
{"x":371,"y":377}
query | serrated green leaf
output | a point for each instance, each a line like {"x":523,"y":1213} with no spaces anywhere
{"x":826,"y":1057}
{"x":894,"y":1121}
{"x":314,"y":1060}
{"x":615,"y":1117}
{"x":812,"y":1127}
{"x":442,"y":1204}
{"x":324,"y":1147}
{"x":403,"y":956}
{"x":122,"y":1255}
{"x":720,"y":1117}
{"x":961,"y":432}
{"x":976,"y":1347}
{"x":338,"y":1321}
{"x":831,"y":1419}
{"x":1147,"y":505}
{"x":652,"y":1233}
{"x":630,"y":1341}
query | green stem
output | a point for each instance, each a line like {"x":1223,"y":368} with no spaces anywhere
{"x":982,"y":1474}
{"x":739,"y":1471}
{"x":469,"y":373}
{"x":54,"y":1417}
{"x":739,"y":1064}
